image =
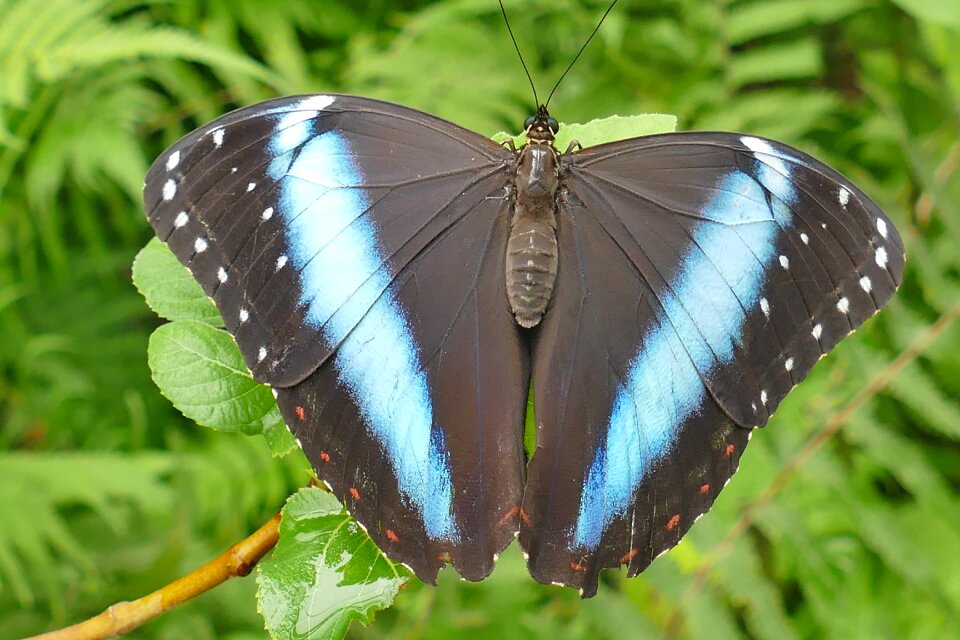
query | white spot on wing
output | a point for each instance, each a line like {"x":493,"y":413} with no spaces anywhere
{"x":244,"y":315}
{"x":779,"y":180}
{"x":765,"y":306}
{"x":882,"y":227}
{"x":756,"y":144}
{"x":261,"y":354}
{"x":843,"y":197}
{"x":763,"y":396}
{"x":865,"y":284}
{"x":218,"y":137}
{"x":318,"y":103}
{"x":169,"y":190}
{"x":251,"y":186}
{"x":817,"y":330}
{"x":843,"y":305}
{"x":881,"y":257}
{"x":805,"y":238}
{"x":222,"y":275}
{"x":200,"y":245}
{"x":281,"y":261}
{"x":173,"y":160}
{"x":788,"y":364}
{"x":181,"y":219}
{"x":785,"y":262}
{"x":267,"y":213}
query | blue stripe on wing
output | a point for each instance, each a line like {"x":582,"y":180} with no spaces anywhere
{"x":335,"y":250}
{"x":704,"y":309}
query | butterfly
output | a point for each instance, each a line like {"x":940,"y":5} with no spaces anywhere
{"x":403,"y":283}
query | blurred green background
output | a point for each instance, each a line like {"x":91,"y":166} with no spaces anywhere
{"x":107,"y":493}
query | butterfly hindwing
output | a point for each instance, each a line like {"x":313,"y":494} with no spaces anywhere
{"x":598,"y":421}
{"x":356,"y":251}
{"x":470,"y":374}
{"x":701,"y":276}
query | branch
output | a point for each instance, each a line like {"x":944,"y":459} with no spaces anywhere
{"x":124,"y":617}
{"x":877,"y":384}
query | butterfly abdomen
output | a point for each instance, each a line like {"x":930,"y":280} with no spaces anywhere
{"x":532,"y":247}
{"x":531,"y":267}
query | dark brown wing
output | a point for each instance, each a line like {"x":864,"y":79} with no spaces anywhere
{"x":701,"y":276}
{"x":356,"y":251}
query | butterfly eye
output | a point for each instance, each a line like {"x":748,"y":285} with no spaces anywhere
{"x":529,"y":122}
{"x":554,"y":125}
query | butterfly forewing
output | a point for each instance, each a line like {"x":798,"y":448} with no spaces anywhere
{"x":701,"y":276}
{"x":356,"y":252}
{"x":776,"y":256}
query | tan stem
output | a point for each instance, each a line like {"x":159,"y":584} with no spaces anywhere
{"x":123,"y":617}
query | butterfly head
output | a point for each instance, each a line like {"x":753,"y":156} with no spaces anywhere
{"x":541,"y":128}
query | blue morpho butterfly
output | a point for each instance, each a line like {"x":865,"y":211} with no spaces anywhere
{"x":399,"y":281}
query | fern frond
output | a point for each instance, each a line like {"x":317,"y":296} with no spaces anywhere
{"x":40,"y":488}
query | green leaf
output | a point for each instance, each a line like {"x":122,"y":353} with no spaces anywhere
{"x":778,"y":62}
{"x":200,"y":369}
{"x":44,"y":493}
{"x":750,"y":21}
{"x":324,"y":572}
{"x":615,"y":128}
{"x":277,"y":435}
{"x":604,"y":130}
{"x":945,"y":13}
{"x":173,"y":293}
{"x":169,"y":288}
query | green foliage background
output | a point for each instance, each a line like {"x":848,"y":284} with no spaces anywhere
{"x":107,"y":493}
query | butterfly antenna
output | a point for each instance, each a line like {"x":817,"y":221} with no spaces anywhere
{"x":503,"y":10}
{"x":576,"y":57}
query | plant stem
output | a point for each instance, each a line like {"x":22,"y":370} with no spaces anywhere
{"x":124,"y":617}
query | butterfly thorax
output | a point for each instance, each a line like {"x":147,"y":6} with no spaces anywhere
{"x":532,"y":247}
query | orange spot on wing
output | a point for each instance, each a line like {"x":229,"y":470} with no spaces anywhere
{"x":578,"y":566}
{"x":673,"y":522}
{"x":508,"y":516}
{"x":730,"y":450}
{"x":354,"y":493}
{"x":524,"y":518}
{"x":391,"y":536}
{"x":704,"y":488}
{"x":628,"y":556}
{"x":300,"y":412}
{"x":325,"y":456}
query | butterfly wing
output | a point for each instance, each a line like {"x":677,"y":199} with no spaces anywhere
{"x":701,"y":276}
{"x":356,"y":252}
